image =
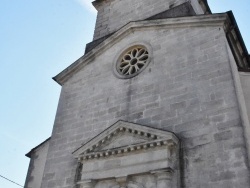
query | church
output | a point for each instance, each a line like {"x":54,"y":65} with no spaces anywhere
{"x":160,"y":99}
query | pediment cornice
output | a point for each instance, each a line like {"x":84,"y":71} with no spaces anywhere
{"x":149,"y":138}
{"x":183,"y":22}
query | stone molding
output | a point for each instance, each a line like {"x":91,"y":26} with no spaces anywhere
{"x":170,"y":23}
{"x":86,"y":183}
{"x":134,"y":46}
{"x":153,"y":138}
{"x":164,"y":179}
{"x":155,"y":153}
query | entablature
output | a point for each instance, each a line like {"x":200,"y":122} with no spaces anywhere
{"x":126,"y":150}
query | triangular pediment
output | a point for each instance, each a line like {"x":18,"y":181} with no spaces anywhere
{"x":121,"y":140}
{"x":168,"y":23}
{"x":124,"y":137}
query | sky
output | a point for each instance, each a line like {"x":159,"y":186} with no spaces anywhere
{"x":38,"y":39}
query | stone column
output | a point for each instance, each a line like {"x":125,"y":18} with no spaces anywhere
{"x":86,"y":184}
{"x":164,"y":178}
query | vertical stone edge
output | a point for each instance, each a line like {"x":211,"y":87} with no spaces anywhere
{"x":241,"y":100}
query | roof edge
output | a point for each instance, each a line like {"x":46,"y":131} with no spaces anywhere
{"x":33,"y":149}
{"x":85,"y":59}
{"x":207,"y":6}
{"x":245,"y":54}
{"x":123,"y":124}
{"x":204,"y":2}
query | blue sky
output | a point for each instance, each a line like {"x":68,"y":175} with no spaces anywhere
{"x":38,"y":40}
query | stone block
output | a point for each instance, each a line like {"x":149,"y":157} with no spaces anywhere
{"x":187,"y":93}
{"x":226,"y":135}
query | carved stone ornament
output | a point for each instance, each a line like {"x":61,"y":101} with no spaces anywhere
{"x":125,"y":150}
{"x":132,"y":61}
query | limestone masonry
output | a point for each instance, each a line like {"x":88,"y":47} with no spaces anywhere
{"x":160,"y":99}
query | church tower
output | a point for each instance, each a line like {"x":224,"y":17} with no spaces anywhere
{"x":159,"y":99}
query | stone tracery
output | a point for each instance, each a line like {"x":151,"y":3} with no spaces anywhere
{"x":133,"y":60}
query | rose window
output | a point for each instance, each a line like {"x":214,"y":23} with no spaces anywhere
{"x":132,"y":61}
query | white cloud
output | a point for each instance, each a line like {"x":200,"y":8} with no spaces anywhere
{"x":87,"y":4}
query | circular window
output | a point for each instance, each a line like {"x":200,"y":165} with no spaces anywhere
{"x":132,"y":61}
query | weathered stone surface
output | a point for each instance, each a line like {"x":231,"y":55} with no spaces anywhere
{"x":113,"y":14}
{"x":182,"y":10}
{"x":187,"y":88}
{"x":36,"y":167}
{"x":190,"y":90}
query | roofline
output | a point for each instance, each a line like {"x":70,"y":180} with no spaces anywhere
{"x":96,"y":2}
{"x":120,"y":121}
{"x":32,"y":150}
{"x":124,"y":123}
{"x":207,"y":6}
{"x":240,"y":38}
{"x":211,"y":19}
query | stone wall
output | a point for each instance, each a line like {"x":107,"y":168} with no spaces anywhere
{"x":245,"y":80}
{"x":113,"y":14}
{"x":187,"y":88}
{"x":36,"y":166}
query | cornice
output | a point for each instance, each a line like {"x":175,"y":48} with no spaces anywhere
{"x":153,"y":138}
{"x":127,"y":149}
{"x":37,"y":147}
{"x":170,"y":23}
{"x":203,"y":3}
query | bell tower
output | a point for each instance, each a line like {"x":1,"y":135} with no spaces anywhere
{"x":114,"y":14}
{"x":157,"y":100}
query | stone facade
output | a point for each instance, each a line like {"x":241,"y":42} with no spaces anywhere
{"x":188,"y":89}
{"x":37,"y":157}
{"x":113,"y":14}
{"x":127,"y":153}
{"x":245,"y":80}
